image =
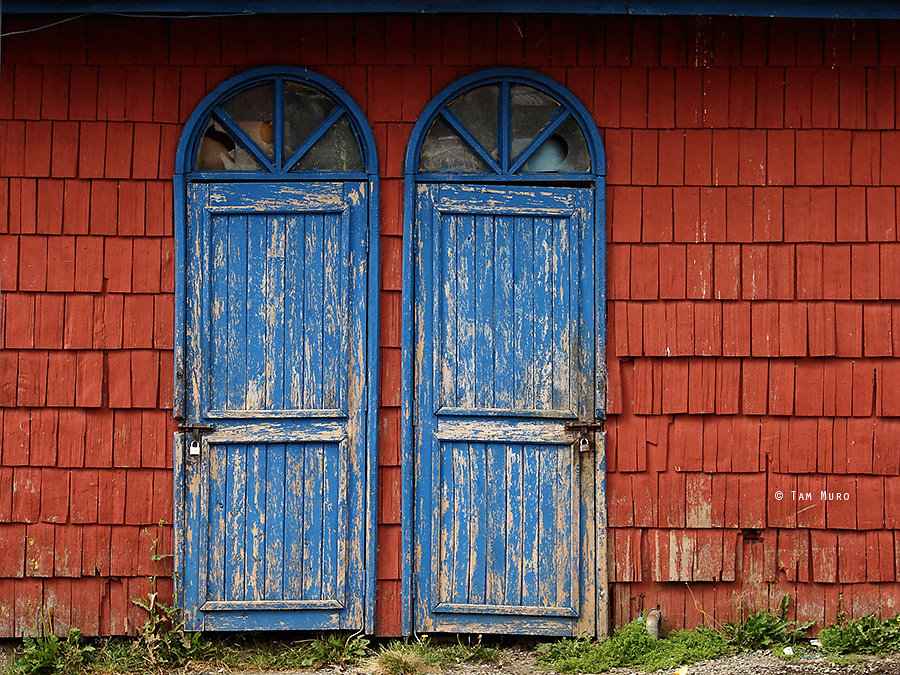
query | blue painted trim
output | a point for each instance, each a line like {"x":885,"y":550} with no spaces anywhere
{"x":877,"y":9}
{"x":407,"y":423}
{"x":413,"y":182}
{"x":373,"y":334}
{"x":193,"y":128}
{"x":278,"y":122}
{"x":504,"y":140}
{"x":502,"y":76}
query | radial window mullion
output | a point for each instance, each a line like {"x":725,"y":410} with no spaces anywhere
{"x":460,"y":128}
{"x":238,"y":134}
{"x":560,"y":116}
{"x":310,"y":141}
{"x":503,"y":123}
{"x":278,"y":122}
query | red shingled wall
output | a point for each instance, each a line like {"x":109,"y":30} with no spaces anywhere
{"x":753,"y":275}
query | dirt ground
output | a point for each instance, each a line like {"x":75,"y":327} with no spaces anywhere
{"x":521,"y":662}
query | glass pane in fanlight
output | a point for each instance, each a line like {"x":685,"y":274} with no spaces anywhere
{"x":337,"y":150}
{"x":218,"y":151}
{"x":253,"y":111}
{"x":565,"y":150}
{"x":477,"y":109}
{"x":305,"y":109}
{"x":444,"y":150}
{"x":530,"y":110}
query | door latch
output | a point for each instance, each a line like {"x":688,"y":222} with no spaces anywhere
{"x":195,"y":430}
{"x":585,"y":427}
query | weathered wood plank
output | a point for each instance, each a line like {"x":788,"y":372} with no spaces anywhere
{"x":236,"y":349}
{"x":275,"y":521}
{"x":235,"y":523}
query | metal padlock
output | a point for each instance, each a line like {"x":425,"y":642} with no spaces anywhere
{"x":584,"y":445}
{"x":194,"y":448}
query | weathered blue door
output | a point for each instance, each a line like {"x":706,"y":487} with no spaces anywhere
{"x":504,"y":360}
{"x":276,"y":354}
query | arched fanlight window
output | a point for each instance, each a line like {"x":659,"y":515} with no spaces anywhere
{"x":279,"y":125}
{"x":505,"y":127}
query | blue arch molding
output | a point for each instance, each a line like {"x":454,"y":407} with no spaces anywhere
{"x":412,"y":178}
{"x":822,"y":9}
{"x":193,"y":128}
{"x":516,"y":76}
{"x":184,"y":174}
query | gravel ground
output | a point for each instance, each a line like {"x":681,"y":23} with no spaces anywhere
{"x":520,"y":662}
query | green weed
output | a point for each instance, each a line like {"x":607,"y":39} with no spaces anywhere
{"x":49,"y":653}
{"x":631,"y":646}
{"x":865,"y":635}
{"x":162,"y":636}
{"x":335,"y":649}
{"x":764,"y":630}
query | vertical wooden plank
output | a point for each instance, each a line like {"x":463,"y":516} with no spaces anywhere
{"x":313,"y":309}
{"x":219,"y":314}
{"x":217,"y":478}
{"x":567,"y":512}
{"x":257,"y":294}
{"x":484,"y":311}
{"x":294,"y":526}
{"x":543,"y":310}
{"x":523,"y":311}
{"x":495,"y":507}
{"x":237,"y":313}
{"x":235,"y":522}
{"x":548,"y":528}
{"x":295,"y":309}
{"x":532,"y":495}
{"x":445,"y":522}
{"x":477,"y":524}
{"x":504,"y":377}
{"x":275,"y":301}
{"x":448,"y":311}
{"x":515,"y":524}
{"x":313,"y":527}
{"x":333,"y":503}
{"x":334,"y":320}
{"x":276,"y":514}
{"x":256,"y":522}
{"x":461,"y":520}
{"x":562,"y":330}
{"x":465,"y":298}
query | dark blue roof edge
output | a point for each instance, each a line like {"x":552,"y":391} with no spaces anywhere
{"x":873,"y":9}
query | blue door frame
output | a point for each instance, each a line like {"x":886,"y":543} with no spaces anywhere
{"x":276,"y":375}
{"x":470,"y":450}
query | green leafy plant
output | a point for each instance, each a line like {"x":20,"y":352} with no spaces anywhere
{"x":764,"y":630}
{"x":49,"y":653}
{"x":632,"y":646}
{"x":865,"y":635}
{"x":162,"y":637}
{"x":334,"y":649}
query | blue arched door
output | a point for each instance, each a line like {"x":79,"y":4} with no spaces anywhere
{"x":275,"y":365}
{"x":505,"y":174}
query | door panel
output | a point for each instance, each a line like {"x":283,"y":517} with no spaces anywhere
{"x":276,"y":360}
{"x":505,"y":357}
